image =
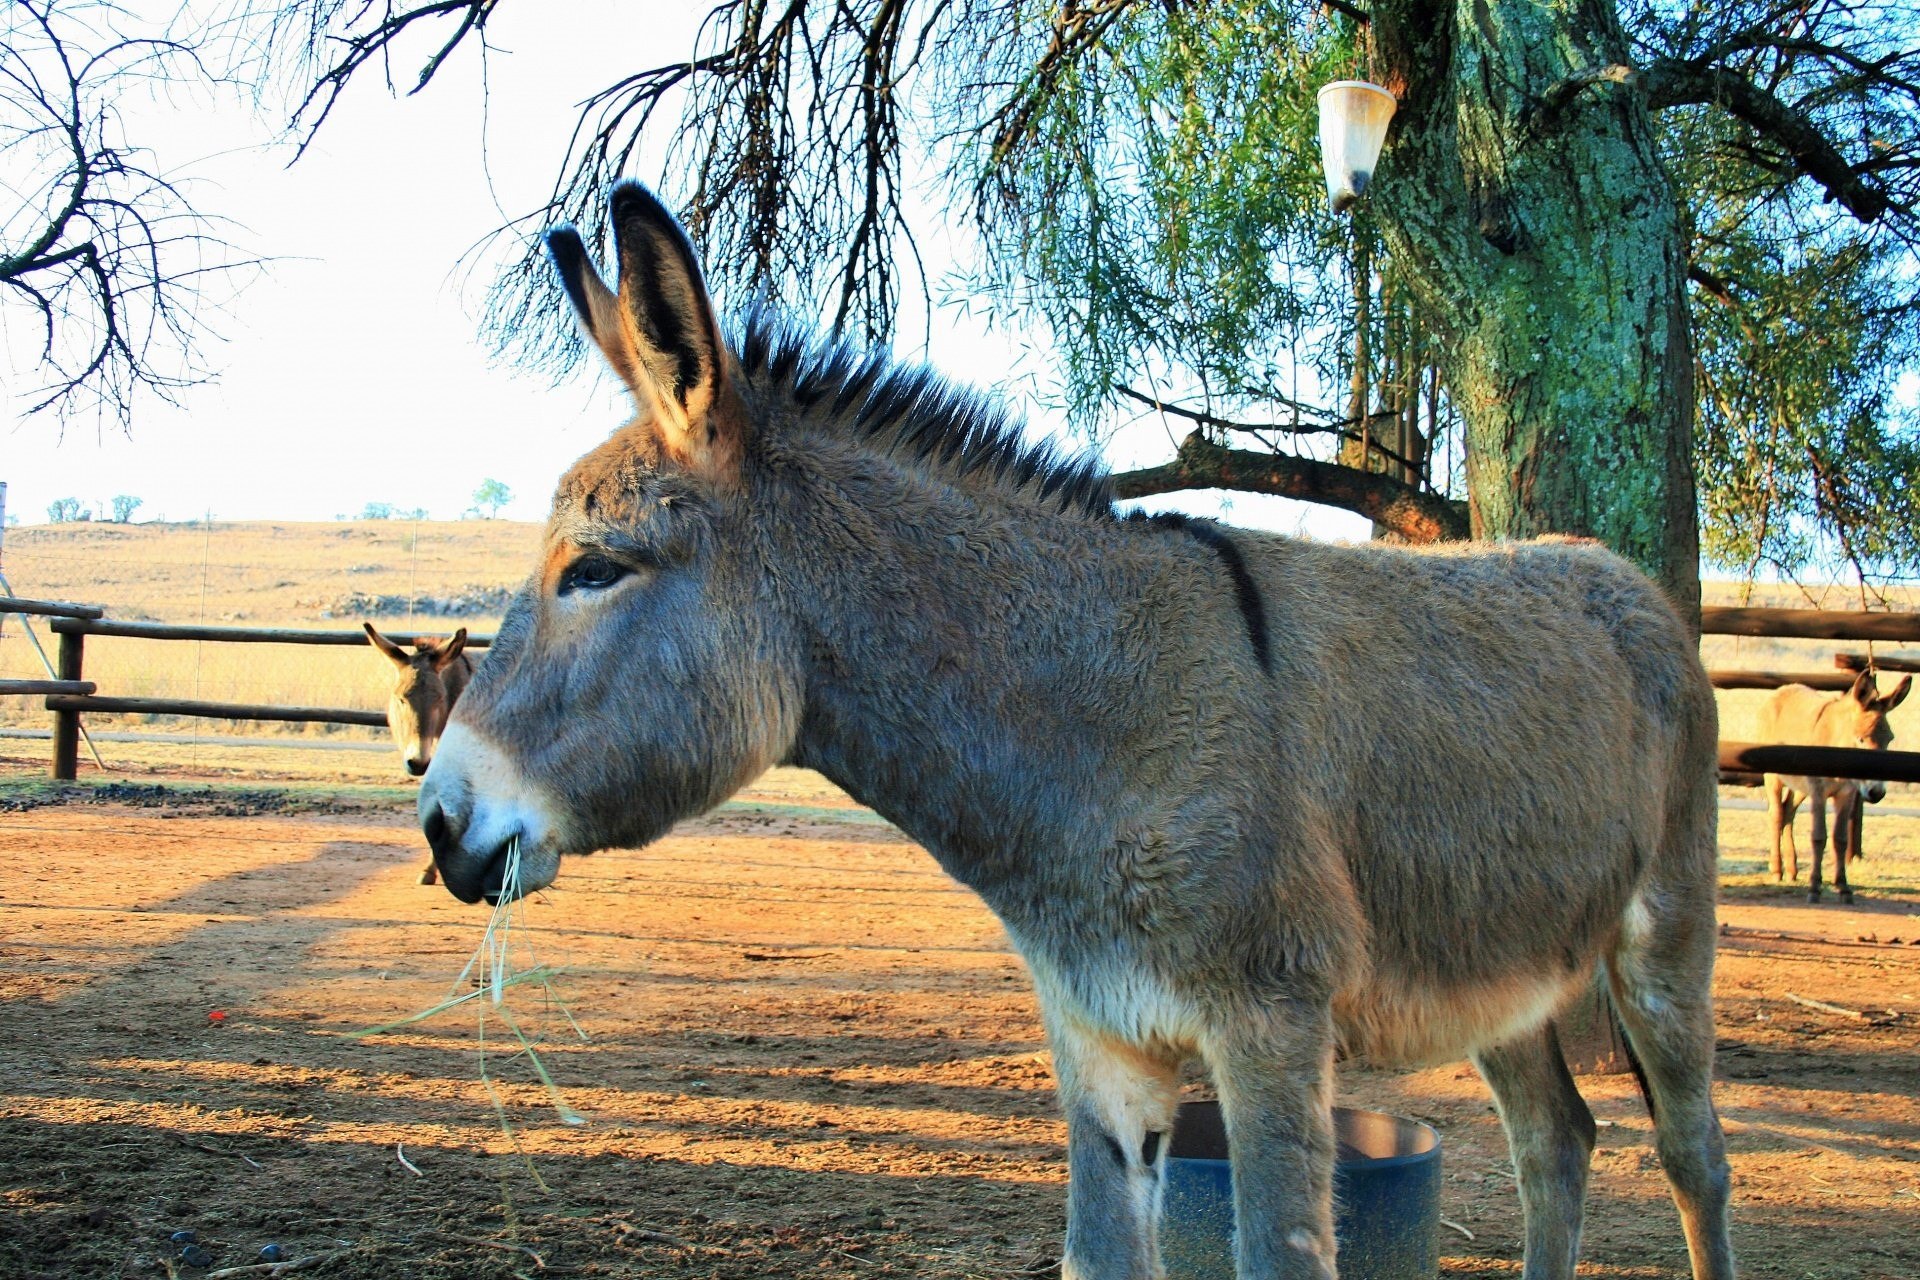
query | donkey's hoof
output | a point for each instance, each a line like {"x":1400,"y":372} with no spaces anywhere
{"x":430,"y":876}
{"x":1813,"y":895}
{"x":1846,"y":895}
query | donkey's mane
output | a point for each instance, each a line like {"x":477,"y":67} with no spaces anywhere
{"x":914,"y":415}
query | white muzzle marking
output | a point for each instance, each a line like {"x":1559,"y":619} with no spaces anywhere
{"x":472,"y":777}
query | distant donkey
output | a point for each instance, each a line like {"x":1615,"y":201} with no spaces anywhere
{"x":1804,"y":717}
{"x":1234,"y":796}
{"x":427,"y":682}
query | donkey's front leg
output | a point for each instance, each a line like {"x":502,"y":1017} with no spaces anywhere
{"x":1846,"y":839}
{"x":1276,"y":1089}
{"x":1119,"y":1101}
{"x":1550,"y":1133}
{"x":1779,"y":820}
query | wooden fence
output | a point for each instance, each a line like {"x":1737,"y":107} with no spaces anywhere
{"x":70,"y":695}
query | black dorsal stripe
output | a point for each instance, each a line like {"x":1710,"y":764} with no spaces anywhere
{"x":1253,"y":607}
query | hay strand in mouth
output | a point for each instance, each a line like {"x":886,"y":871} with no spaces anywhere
{"x":485,"y":979}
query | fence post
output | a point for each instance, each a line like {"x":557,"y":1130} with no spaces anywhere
{"x":66,"y":724}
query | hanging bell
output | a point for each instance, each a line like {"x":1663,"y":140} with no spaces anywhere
{"x":1353,"y":127}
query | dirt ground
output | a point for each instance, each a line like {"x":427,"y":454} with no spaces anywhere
{"x":809,"y":1054}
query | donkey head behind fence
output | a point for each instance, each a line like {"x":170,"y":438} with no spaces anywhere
{"x":426,"y":684}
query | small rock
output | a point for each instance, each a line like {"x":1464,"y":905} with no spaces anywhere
{"x":185,"y":1237}
{"x":194,"y":1256}
{"x":273,"y":1253}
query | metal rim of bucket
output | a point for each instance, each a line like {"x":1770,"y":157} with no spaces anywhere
{"x":1203,"y":1121}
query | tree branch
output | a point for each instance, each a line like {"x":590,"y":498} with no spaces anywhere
{"x":1414,"y":515}
{"x":1339,"y":429}
{"x":1672,"y":83}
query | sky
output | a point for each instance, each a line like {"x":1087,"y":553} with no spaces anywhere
{"x":351,"y":371}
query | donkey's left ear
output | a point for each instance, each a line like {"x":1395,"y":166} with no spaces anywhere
{"x":1899,"y":695}
{"x":658,"y":330}
{"x":451,"y":651}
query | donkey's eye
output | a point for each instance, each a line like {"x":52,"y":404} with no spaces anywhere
{"x":591,"y":573}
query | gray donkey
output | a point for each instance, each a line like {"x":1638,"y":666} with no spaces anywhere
{"x":1234,"y":796}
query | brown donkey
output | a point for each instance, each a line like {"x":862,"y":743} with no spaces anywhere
{"x":1236,"y":797}
{"x":426,"y":684}
{"x":1805,"y":717}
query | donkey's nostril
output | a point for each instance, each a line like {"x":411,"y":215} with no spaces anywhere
{"x":416,"y":767}
{"x":433,"y":822}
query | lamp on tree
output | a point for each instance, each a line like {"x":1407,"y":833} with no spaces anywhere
{"x":1353,"y":127}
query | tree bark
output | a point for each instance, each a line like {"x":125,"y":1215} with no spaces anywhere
{"x":1549,"y":248}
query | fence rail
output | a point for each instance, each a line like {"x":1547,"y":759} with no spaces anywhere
{"x":1858,"y":662}
{"x":1831,"y":681}
{"x":73,"y":704}
{"x":97,"y":626}
{"x":1819,"y":762}
{"x":49,"y":608}
{"x":1808,"y":624}
{"x":47,"y":686}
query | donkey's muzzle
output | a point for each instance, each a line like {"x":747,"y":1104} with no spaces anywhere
{"x":474,"y":807}
{"x":468,"y":874}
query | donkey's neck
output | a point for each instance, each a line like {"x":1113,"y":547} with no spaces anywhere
{"x":988,"y":673}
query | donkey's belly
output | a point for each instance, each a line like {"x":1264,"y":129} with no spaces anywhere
{"x":1389,"y":1022}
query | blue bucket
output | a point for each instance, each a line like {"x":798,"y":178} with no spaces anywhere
{"x":1386,"y":1197}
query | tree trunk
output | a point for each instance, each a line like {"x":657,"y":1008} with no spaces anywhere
{"x":1548,"y":247}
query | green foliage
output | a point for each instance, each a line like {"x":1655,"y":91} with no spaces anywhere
{"x":63,"y":510}
{"x":491,"y":495}
{"x":1168,"y":202}
{"x":124,"y":505}
{"x":377,"y":511}
{"x":1164,"y":209}
{"x":1806,"y":321}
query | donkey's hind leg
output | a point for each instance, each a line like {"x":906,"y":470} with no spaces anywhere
{"x":1119,"y":1102}
{"x":1550,"y":1133}
{"x":1662,"y":980}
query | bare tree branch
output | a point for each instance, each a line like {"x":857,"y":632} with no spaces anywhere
{"x":1415,"y":515}
{"x":1341,"y":429}
{"x":110,"y":254}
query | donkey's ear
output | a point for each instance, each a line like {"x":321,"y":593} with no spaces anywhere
{"x":1898,"y":695}
{"x":594,"y":305}
{"x":658,"y":330}
{"x":445,"y":657}
{"x":1863,"y":689}
{"x":386,"y":646}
